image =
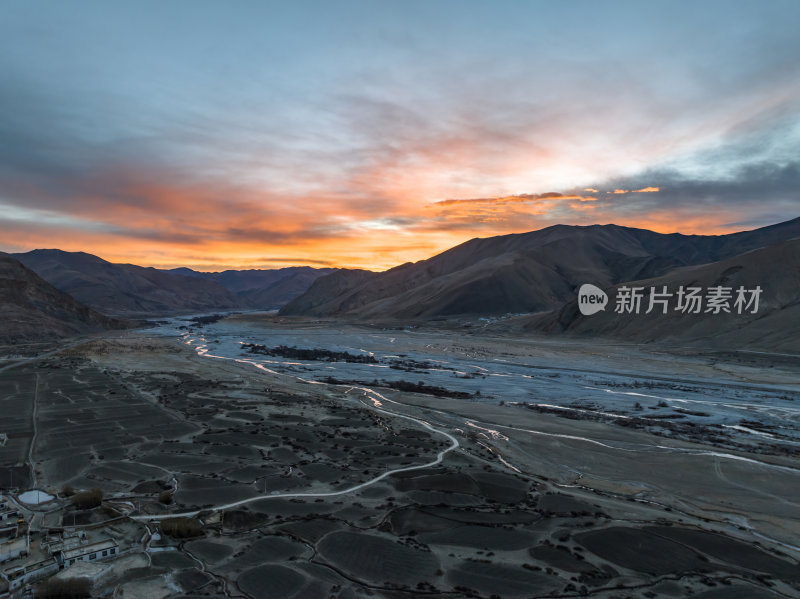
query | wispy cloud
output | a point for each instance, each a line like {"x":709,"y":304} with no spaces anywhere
{"x":386,"y":138}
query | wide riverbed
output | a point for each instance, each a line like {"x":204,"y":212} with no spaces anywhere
{"x":664,"y":393}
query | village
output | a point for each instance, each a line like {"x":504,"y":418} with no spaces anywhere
{"x":36,"y":543}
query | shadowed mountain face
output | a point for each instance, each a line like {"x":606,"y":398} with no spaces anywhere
{"x":530,"y":272}
{"x":262,"y":289}
{"x":323,"y":295}
{"x":34,"y":310}
{"x":775,"y":325}
{"x":125,"y":288}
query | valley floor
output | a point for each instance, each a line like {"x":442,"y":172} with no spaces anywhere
{"x":422,"y":462}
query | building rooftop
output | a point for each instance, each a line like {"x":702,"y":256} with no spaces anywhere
{"x":17,"y":571}
{"x":90,"y":548}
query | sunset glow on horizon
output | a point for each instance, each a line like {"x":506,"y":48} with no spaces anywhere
{"x":366,"y":135}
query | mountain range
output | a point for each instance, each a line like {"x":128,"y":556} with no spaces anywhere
{"x":34,"y":310}
{"x":530,"y":281}
{"x":262,"y":289}
{"x":527,"y":281}
{"x":773,"y":324}
{"x":127,"y":289}
{"x":522,"y":273}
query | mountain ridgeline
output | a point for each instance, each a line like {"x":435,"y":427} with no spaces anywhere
{"x":522,"y":273}
{"x":262,"y":289}
{"x":34,"y":310}
{"x":774,"y":325}
{"x":535,"y":276}
{"x":127,"y":289}
{"x":528,"y":279}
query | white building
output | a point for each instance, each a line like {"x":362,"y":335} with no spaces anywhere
{"x":89,"y":553}
{"x":8,"y":513}
{"x":14,"y":548}
{"x":22,"y":575}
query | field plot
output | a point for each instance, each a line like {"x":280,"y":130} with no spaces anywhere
{"x":17,"y":393}
{"x":642,"y":550}
{"x":377,"y":559}
{"x":200,"y":490}
{"x":501,"y":580}
{"x":271,"y":581}
{"x":88,"y":414}
{"x":209,"y":551}
{"x":481,"y":537}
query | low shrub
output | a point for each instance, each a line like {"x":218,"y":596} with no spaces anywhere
{"x":70,"y":588}
{"x":182,"y":528}
{"x":88,"y":499}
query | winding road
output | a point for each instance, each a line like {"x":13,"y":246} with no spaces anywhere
{"x":454,"y":444}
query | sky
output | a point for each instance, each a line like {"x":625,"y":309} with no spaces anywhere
{"x":367,"y":134}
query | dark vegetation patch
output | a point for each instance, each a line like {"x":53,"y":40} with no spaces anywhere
{"x":447,"y":482}
{"x":316,"y":354}
{"x":637,"y":384}
{"x":405,"y":386}
{"x":71,"y":588}
{"x":181,"y":528}
{"x":210,"y":319}
{"x":243,"y":520}
{"x":672,"y":425}
{"x":88,"y":499}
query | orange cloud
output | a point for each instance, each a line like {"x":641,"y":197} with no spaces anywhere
{"x":217,"y":228}
{"x":648,"y":190}
{"x":514,"y":199}
{"x":376,"y":214}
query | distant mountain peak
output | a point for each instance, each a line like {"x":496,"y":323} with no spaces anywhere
{"x":523,"y":272}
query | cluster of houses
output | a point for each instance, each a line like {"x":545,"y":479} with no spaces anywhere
{"x":29,"y":561}
{"x":57,"y":552}
{"x":10,"y":520}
